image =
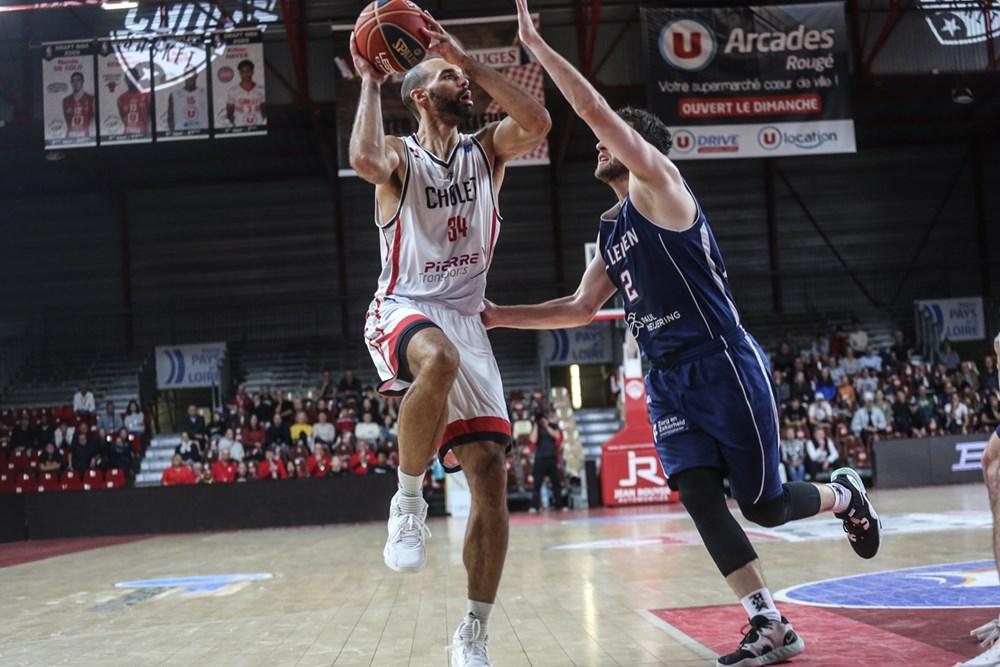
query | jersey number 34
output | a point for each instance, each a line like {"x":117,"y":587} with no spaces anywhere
{"x":457,"y":226}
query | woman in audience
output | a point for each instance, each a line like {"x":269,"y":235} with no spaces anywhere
{"x":324,"y":433}
{"x":50,"y":460}
{"x":821,"y":454}
{"x":957,"y":415}
{"x":254,"y":434}
{"x":135,"y":421}
{"x":243,"y":472}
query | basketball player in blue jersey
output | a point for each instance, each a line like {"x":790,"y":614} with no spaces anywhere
{"x":710,"y":398}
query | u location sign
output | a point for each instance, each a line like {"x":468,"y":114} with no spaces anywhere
{"x":188,"y":366}
{"x":750,"y":81}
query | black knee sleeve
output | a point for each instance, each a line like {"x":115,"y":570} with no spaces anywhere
{"x":797,"y":501}
{"x":703,"y":498}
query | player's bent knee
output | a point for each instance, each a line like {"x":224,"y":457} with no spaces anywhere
{"x":991,"y":461}
{"x":439,"y":359}
{"x":768,"y":513}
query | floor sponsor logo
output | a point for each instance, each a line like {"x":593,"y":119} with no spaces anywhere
{"x":951,"y":585}
{"x":146,"y":589}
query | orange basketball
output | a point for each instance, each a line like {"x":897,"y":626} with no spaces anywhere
{"x":388,"y":35}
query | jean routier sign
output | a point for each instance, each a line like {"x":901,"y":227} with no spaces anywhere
{"x":750,"y":81}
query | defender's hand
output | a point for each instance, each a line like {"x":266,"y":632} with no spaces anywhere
{"x":526,"y":30}
{"x":442,"y":44}
{"x":490,"y":314}
{"x":365,"y":68}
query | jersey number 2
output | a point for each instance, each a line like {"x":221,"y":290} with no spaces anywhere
{"x":457,"y":226}
{"x":630,"y":292}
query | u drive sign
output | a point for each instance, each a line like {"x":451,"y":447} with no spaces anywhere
{"x":188,"y":366}
{"x":762,"y":81}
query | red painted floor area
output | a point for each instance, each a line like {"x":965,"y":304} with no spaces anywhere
{"x":831,"y":638}
{"x":17,"y":553}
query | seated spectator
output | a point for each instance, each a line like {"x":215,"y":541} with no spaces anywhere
{"x":337,"y":467}
{"x":900,"y":351}
{"x":793,"y":453}
{"x":254,"y":433}
{"x":391,"y":407}
{"x":120,"y":451}
{"x":283,"y":406}
{"x":202,"y":474}
{"x":242,"y":400}
{"x":301,"y":431}
{"x":918,"y":422}
{"x":371,"y":395}
{"x":272,"y":467}
{"x":194,"y":424}
{"x":368,"y":430}
{"x":795,"y":414}
{"x":825,"y":384}
{"x":956,"y":415}
{"x":44,"y":432}
{"x":820,"y":348}
{"x":871,"y":360}
{"x":784,"y":358}
{"x":363,"y":459}
{"x":947,"y":356}
{"x":969,"y":375}
{"x":82,"y":453}
{"x":990,"y":380}
{"x":110,"y":421}
{"x":382,"y":465}
{"x":253,"y":454}
{"x":243,"y":473}
{"x":326,"y":390}
{"x":320,"y":462}
{"x":236,"y":451}
{"x":83,"y":402}
{"x":989,"y":413}
{"x":902,"y":418}
{"x":22,"y":438}
{"x":882,"y":404}
{"x":838,"y":342}
{"x":820,"y":411}
{"x":388,"y":435}
{"x":135,"y":421}
{"x":821,"y":454}
{"x":63,"y":436}
{"x":868,"y":422}
{"x":299,"y":451}
{"x":178,"y":473}
{"x":216,"y":427}
{"x":349,"y":387}
{"x":866,"y":383}
{"x":782,"y":390}
{"x":323,"y":432}
{"x":224,"y":470}
{"x":846,"y":392}
{"x":50,"y":460}
{"x":801,"y":388}
{"x":188,"y":449}
{"x":858,"y":338}
{"x":299,"y":469}
{"x":849,"y":364}
{"x":346,"y":421}
{"x":279,"y":435}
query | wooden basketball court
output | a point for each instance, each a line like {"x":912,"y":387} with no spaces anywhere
{"x":624,"y":587}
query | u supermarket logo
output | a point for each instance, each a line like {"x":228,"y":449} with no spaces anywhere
{"x":683,"y":142}
{"x":687,"y":44}
{"x":769,"y":138}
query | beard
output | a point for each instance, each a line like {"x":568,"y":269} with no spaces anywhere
{"x":450,"y":108}
{"x":610,"y":171}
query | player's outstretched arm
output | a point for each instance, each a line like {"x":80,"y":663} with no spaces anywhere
{"x":370,"y":154}
{"x":527,"y":122}
{"x":575,"y":310}
{"x":661,"y":187}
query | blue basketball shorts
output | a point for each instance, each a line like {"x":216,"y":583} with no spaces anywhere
{"x":719,"y":411}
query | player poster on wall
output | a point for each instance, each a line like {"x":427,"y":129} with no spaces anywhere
{"x":68,"y":100}
{"x":182,"y":101}
{"x":491,"y":40}
{"x":751,"y":81}
{"x":239,"y":107}
{"x":123,"y":91}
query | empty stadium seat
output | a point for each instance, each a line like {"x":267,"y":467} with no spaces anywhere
{"x":49,"y":481}
{"x":93,"y":479}
{"x":114,"y":478}
{"x":71,"y":481}
{"x":25,"y":483}
{"x":6,"y":483}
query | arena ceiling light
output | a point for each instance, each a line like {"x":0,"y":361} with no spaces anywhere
{"x":119,"y":4}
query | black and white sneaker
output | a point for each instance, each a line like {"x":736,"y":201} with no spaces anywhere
{"x":767,"y":642}
{"x":861,"y":522}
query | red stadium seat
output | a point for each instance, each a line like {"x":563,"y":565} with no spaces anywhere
{"x":19,"y":462}
{"x":49,"y":481}
{"x":93,"y":479}
{"x":71,"y":481}
{"x":25,"y":483}
{"x":7,"y":418}
{"x":114,"y":478}
{"x":6,"y":483}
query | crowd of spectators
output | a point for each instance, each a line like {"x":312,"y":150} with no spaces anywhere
{"x":839,"y":396}
{"x":342,"y":429}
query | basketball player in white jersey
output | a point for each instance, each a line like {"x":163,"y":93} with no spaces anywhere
{"x":436,"y":209}
{"x":989,"y":634}
{"x":187,"y":108}
{"x":245,"y":102}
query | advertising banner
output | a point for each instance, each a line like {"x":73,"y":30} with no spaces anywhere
{"x":123,"y":91}
{"x":189,"y":366}
{"x":750,"y":81}
{"x":68,"y":99}
{"x":955,"y":319}
{"x":182,"y":101}
{"x":490,"y":40}
{"x":583,"y":345}
{"x":239,"y":101}
{"x":948,"y":459}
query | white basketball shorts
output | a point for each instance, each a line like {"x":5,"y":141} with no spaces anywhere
{"x":477,"y":408}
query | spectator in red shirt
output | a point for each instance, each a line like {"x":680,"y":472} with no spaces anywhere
{"x":346,"y":421}
{"x":319,"y":462}
{"x":224,"y":470}
{"x":271,"y":467}
{"x":254,"y":433}
{"x":178,"y":474}
{"x":363,"y":460}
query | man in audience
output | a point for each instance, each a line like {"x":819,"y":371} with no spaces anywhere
{"x":323,"y":431}
{"x":900,"y":350}
{"x":320,"y":461}
{"x":795,"y":415}
{"x":363,"y":459}
{"x":188,"y":449}
{"x":243,"y":473}
{"x":821,"y":454}
{"x":178,"y":473}
{"x":279,"y":435}
{"x":546,"y":438}
{"x":83,"y":402}
{"x":22,"y":438}
{"x":63,"y":436}
{"x":871,"y":360}
{"x":947,"y":356}
{"x":368,"y":430}
{"x":119,"y":452}
{"x":326,"y":390}
{"x":858,"y":338}
{"x":201,"y":474}
{"x":301,"y":431}
{"x":793,"y":454}
{"x":272,"y":467}
{"x":283,"y":406}
{"x":194,"y":424}
{"x":337,"y":468}
{"x":224,"y":470}
{"x":820,"y":411}
{"x":82,"y":453}
{"x":267,"y":404}
{"x":349,"y":387}
{"x":110,"y":421}
{"x":44,"y":432}
{"x":868,"y":421}
{"x":866,"y":383}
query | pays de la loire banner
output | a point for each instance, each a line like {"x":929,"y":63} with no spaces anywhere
{"x":955,"y":319}
{"x":751,"y":81}
{"x":188,"y":366}
{"x":491,"y":40}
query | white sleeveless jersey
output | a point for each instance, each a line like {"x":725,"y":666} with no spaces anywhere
{"x":190,"y":109}
{"x":439,"y":244}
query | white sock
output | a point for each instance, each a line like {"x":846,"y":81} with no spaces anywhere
{"x":411,"y":485}
{"x":760,"y":603}
{"x":481,"y":611}
{"x":841,"y":497}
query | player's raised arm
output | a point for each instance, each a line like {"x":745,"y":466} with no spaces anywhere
{"x":370,"y":154}
{"x":659,"y":182}
{"x":527,"y":121}
{"x":575,"y":310}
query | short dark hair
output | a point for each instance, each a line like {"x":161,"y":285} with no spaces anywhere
{"x":246,"y":63}
{"x":76,"y":74}
{"x":649,"y":127}
{"x":416,"y":77}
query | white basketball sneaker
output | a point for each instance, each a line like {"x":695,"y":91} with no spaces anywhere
{"x":988,"y":658}
{"x":469,"y":645}
{"x":987,"y":634}
{"x":406,"y":549}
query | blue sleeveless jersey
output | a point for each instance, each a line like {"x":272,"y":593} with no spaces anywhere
{"x":674,"y":284}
